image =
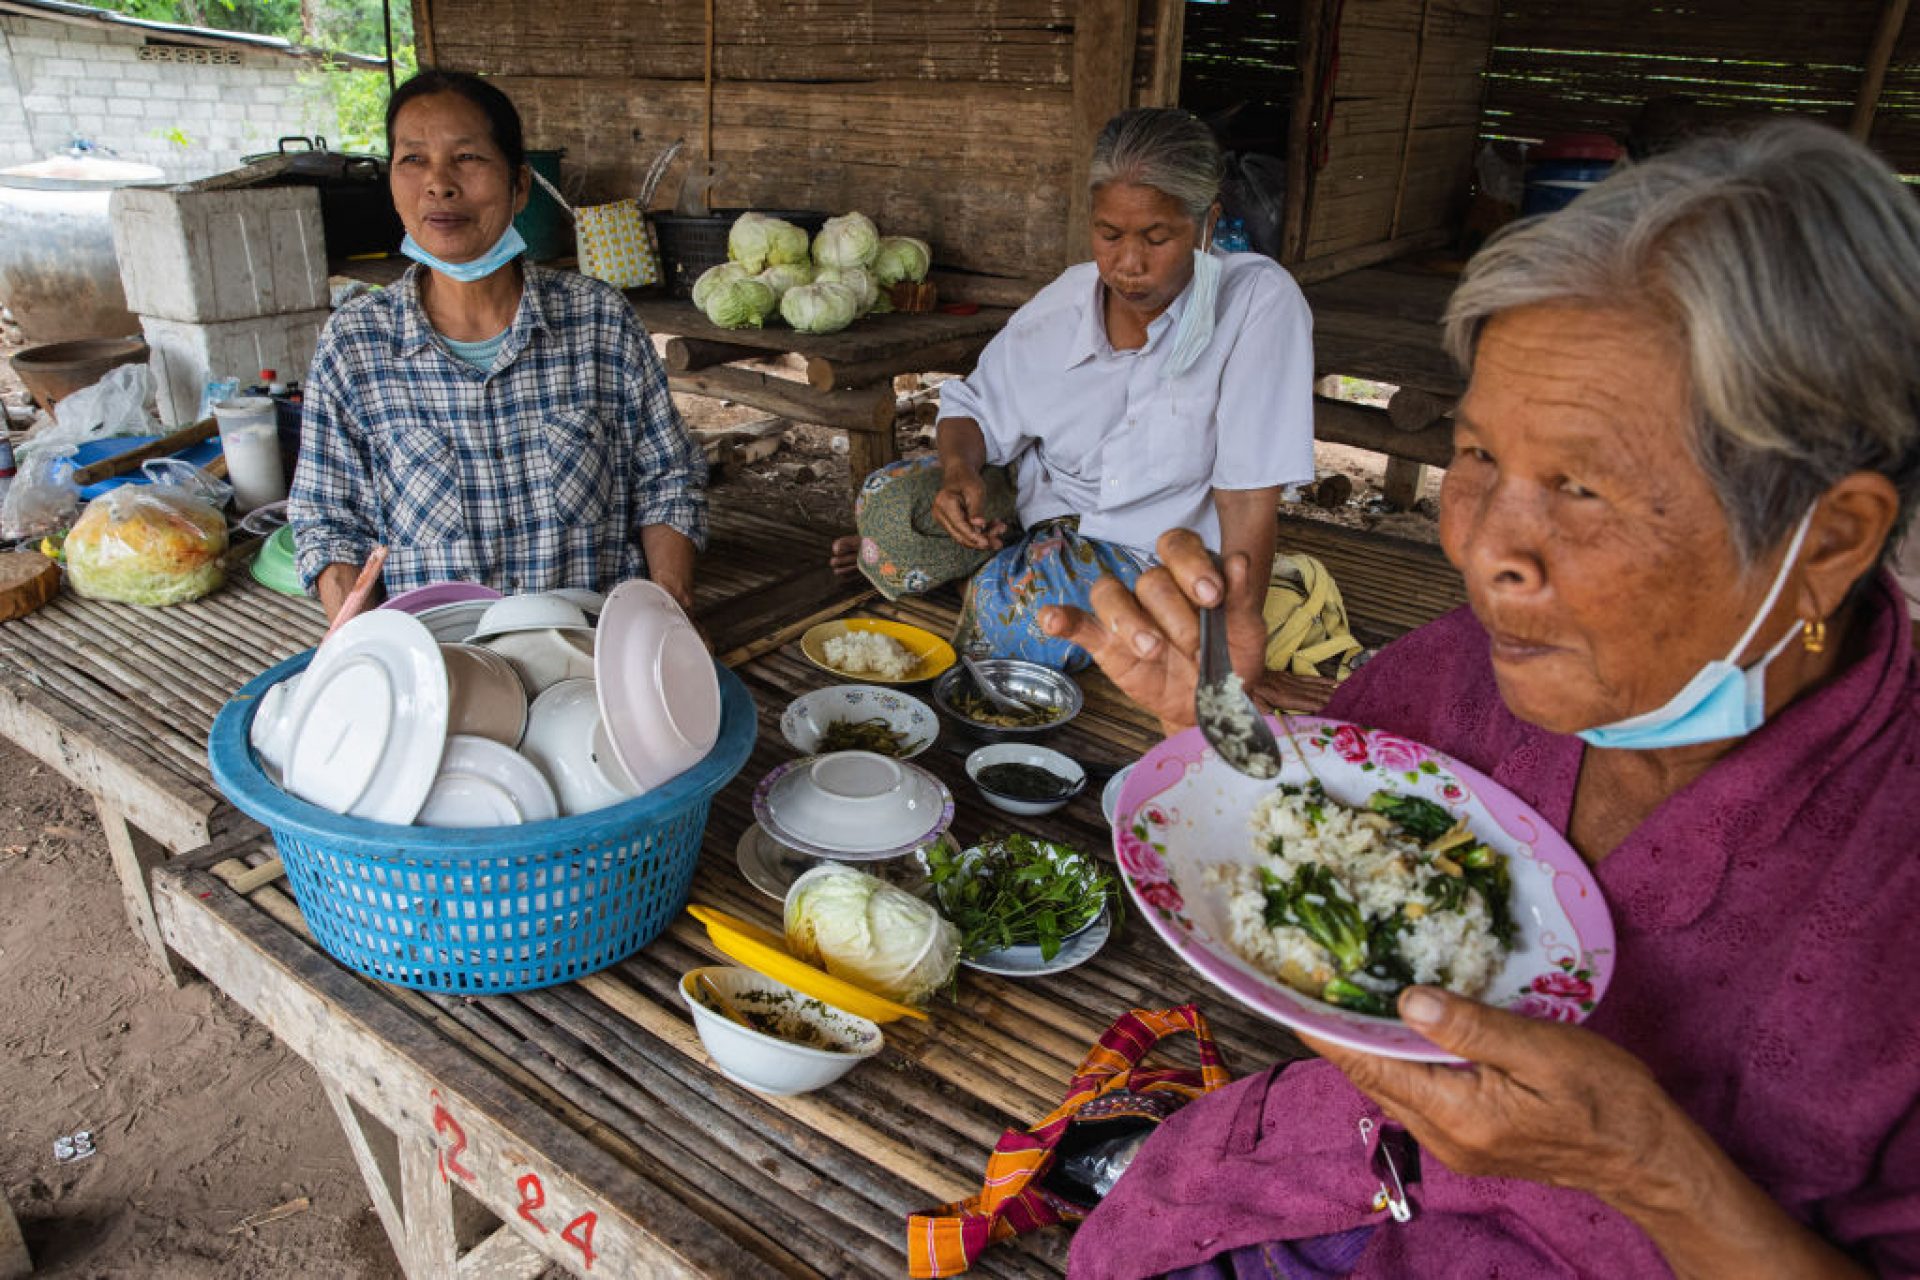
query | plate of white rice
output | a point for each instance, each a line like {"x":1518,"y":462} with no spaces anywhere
{"x":1371,"y":862}
{"x":877,"y":651}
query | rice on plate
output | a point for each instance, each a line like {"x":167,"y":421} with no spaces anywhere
{"x":1351,"y":905}
{"x":859,"y":653}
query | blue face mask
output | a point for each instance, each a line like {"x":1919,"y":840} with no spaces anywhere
{"x":508,"y":247}
{"x":1721,"y":701}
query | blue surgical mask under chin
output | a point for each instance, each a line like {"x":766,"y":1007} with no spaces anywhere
{"x":1721,"y":701}
{"x":508,"y":247}
{"x":1195,"y":329}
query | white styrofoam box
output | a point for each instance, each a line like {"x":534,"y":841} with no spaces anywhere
{"x":186,"y":355}
{"x":211,"y":256}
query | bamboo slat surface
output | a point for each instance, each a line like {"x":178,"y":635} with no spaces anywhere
{"x":820,"y":1183}
{"x":147,"y":683}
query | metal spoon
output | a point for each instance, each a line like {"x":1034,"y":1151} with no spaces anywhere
{"x":1006,"y":702}
{"x":1228,"y":720}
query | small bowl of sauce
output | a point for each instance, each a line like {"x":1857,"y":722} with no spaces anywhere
{"x":1024,"y":779}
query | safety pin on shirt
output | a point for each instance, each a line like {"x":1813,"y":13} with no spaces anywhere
{"x":1394,"y":1200}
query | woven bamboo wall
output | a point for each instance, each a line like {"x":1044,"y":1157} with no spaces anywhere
{"x":952,"y":121}
{"x":1588,"y":65}
{"x":1404,"y":124}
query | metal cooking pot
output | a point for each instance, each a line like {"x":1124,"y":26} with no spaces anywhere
{"x":58,"y":273}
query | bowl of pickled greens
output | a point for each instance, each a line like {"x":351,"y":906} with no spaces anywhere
{"x":859,"y":717}
{"x":1048,"y":699}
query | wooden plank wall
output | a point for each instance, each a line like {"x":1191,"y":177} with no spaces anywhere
{"x":952,"y":121}
{"x":1405,"y":121}
{"x":1588,"y":65}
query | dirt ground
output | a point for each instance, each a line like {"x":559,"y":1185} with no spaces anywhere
{"x":201,"y":1121}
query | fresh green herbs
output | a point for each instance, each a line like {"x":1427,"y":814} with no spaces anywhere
{"x":1014,"y":890}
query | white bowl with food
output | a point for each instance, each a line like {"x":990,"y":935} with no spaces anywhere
{"x":1026,"y":779}
{"x":859,"y":717}
{"x":1053,"y":699}
{"x":783,"y":1042}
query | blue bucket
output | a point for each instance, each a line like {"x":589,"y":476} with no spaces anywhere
{"x":486,"y":910}
{"x":1555,"y":184}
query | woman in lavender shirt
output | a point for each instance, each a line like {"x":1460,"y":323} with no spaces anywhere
{"x":1688,"y":443}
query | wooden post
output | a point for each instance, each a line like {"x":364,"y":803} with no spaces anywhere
{"x":955,"y":355}
{"x":423,"y":32}
{"x":684,"y":355}
{"x":1413,"y":106}
{"x":1893,"y":15}
{"x":1412,"y":409}
{"x":134,"y":855}
{"x":868,"y":451}
{"x":1402,"y":486}
{"x":1169,"y":48}
{"x":1314,"y":32}
{"x":862,"y":409}
{"x":1103,"y":33}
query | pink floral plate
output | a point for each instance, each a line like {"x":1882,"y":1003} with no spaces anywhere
{"x":1183,"y":810}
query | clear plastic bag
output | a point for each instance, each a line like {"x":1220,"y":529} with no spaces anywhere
{"x":41,"y":500}
{"x":114,"y":406}
{"x":147,"y":544}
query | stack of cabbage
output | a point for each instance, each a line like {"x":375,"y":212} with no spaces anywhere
{"x":847,"y":274}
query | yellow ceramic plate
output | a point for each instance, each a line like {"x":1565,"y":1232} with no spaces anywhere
{"x":935,"y":654}
{"x":766,"y":953}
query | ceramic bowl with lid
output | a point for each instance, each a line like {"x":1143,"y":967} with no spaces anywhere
{"x":852,"y":805}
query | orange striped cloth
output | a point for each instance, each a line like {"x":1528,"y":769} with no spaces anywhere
{"x":947,"y":1240}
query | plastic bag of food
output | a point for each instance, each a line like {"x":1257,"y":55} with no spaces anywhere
{"x":147,"y":544}
{"x":41,"y":500}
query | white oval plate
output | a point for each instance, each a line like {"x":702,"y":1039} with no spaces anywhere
{"x":369,"y":720}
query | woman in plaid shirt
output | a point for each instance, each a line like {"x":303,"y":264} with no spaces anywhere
{"x":485,"y":419}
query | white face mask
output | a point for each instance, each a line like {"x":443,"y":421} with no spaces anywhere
{"x":1195,"y":330}
{"x":1722,"y":700}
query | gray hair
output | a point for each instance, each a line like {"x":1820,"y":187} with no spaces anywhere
{"x":1165,"y":148}
{"x":1788,"y":259}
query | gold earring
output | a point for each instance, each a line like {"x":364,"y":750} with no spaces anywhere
{"x":1813,"y":635}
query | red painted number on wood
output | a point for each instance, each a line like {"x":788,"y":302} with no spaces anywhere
{"x":444,"y":1123}
{"x":579,"y":1234}
{"x":532,"y":1196}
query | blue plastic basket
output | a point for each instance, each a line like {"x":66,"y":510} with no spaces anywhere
{"x":484,"y":910}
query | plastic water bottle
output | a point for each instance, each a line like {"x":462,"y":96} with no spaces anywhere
{"x":7,"y":468}
{"x":1231,"y":236}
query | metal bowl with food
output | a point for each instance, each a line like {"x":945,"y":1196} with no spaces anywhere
{"x":1053,"y":695}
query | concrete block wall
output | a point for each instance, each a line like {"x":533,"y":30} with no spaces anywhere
{"x":59,"y":80}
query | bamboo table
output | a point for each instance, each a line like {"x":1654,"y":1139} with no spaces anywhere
{"x":119,"y":699}
{"x":585,"y":1117}
{"x":849,"y":374}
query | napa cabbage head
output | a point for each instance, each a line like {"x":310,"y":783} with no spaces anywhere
{"x":850,"y":240}
{"x":820,"y":308}
{"x":867,"y":932}
{"x":901,"y":258}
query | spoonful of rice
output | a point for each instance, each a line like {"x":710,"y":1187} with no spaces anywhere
{"x":1228,"y":720}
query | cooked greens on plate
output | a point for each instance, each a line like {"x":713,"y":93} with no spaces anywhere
{"x":1353,"y":904}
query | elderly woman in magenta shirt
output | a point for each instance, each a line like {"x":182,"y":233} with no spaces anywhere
{"x":1689,"y":436}
{"x":1158,"y":386}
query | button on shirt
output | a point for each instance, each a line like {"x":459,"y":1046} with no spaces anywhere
{"x":537,"y":472}
{"x":1099,"y":433}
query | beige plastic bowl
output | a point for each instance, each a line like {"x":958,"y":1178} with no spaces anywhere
{"x":770,"y":1063}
